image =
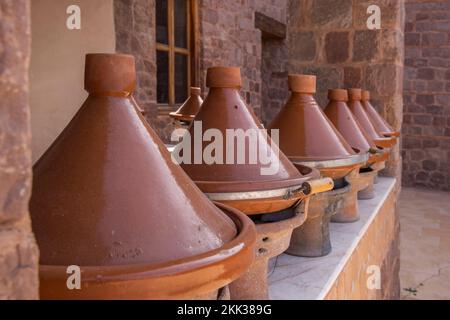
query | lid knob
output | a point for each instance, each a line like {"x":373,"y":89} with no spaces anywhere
{"x":223,"y":77}
{"x":338,"y":94}
{"x":302,"y":83}
{"x":107,"y":73}
{"x":354,"y":94}
{"x":365,"y":95}
{"x":196,"y":91}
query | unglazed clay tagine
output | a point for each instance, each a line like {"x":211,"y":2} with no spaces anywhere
{"x":273,"y":238}
{"x":188,"y":110}
{"x":378,"y":122}
{"x":241,"y":185}
{"x":307,"y":136}
{"x":312,"y":238}
{"x":342,"y":118}
{"x":360,"y":114}
{"x":109,"y":167}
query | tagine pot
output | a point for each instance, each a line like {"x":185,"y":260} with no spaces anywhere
{"x":338,"y":112}
{"x":245,"y":185}
{"x":308,"y":138}
{"x":108,"y":199}
{"x":375,"y":118}
{"x":250,"y":187}
{"x":340,"y":115}
{"x":187,"y":111}
{"x":354,"y":103}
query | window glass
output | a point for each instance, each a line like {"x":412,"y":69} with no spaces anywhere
{"x":161,"y":22}
{"x":181,"y":78}
{"x":162,"y":77}
{"x":180,"y":21}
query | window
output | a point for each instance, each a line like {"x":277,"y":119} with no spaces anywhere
{"x":176,"y":48}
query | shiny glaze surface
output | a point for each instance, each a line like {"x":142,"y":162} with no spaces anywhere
{"x":187,"y":278}
{"x":190,"y":107}
{"x":306,"y":133}
{"x":106,"y":193}
{"x":361,"y":116}
{"x":344,"y":121}
{"x":224,"y":109}
{"x":378,"y":122}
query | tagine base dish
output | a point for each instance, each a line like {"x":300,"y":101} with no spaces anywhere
{"x":312,"y":238}
{"x":273,"y":239}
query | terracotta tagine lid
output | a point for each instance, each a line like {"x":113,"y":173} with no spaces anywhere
{"x":378,"y":122}
{"x":306,"y":134}
{"x":108,"y":198}
{"x":223,"y":110}
{"x":342,"y":118}
{"x":190,"y":107}
{"x":354,"y":103}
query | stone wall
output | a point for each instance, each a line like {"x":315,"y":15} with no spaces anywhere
{"x":330,"y":38}
{"x":228,"y":37}
{"x":378,"y":247}
{"x":135,"y":34}
{"x":18,"y":250}
{"x":426,"y":122}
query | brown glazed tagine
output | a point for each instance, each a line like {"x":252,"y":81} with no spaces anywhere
{"x":377,"y":121}
{"x":344,"y":121}
{"x":354,"y":103}
{"x":234,"y":180}
{"x":108,"y":199}
{"x":275,"y":200}
{"x":186,"y":113}
{"x":308,"y":138}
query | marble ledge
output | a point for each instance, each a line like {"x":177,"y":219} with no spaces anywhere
{"x":298,"y":278}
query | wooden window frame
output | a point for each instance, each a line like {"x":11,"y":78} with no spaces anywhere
{"x":191,"y":51}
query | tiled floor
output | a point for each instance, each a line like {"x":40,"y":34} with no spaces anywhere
{"x":425,"y":244}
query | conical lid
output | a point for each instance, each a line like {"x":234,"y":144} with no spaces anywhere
{"x":224,"y":111}
{"x":190,"y":107}
{"x":306,"y":134}
{"x":354,"y":103}
{"x":106,"y":193}
{"x":378,"y":122}
{"x":344,"y":121}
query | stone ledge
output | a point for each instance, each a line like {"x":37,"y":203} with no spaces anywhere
{"x":293,"y":277}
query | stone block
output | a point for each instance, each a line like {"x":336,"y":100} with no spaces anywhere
{"x":384,"y":78}
{"x":366,"y":45}
{"x":337,"y":46}
{"x":18,"y":264}
{"x":302,"y":46}
{"x":352,"y":77}
{"x":332,"y":14}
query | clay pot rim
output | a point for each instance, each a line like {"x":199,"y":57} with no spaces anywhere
{"x":379,"y":156}
{"x":332,"y":193}
{"x":251,"y":186}
{"x":324,"y":162}
{"x":391,"y":134}
{"x":290,"y":223}
{"x":182,"y":117}
{"x":214,"y":260}
{"x":386,"y":142}
{"x":264,"y":194}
